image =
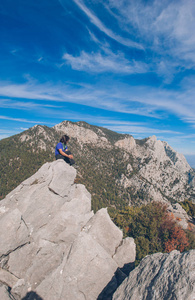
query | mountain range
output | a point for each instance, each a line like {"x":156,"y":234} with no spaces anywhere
{"x":117,"y":169}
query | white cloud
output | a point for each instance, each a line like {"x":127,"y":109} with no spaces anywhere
{"x":27,"y":105}
{"x":113,"y":122}
{"x":140,"y":129}
{"x":96,"y":21}
{"x":26,"y":90}
{"x":24,"y":128}
{"x":21,"y":120}
{"x":179,"y":18}
{"x":165,"y":27}
{"x":109,"y":62}
{"x":168,"y":26}
{"x":146,"y":101}
{"x":99,"y":97}
{"x":4,"y":133}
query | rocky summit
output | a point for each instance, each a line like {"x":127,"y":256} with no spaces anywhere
{"x":161,"y":277}
{"x":53,"y":247}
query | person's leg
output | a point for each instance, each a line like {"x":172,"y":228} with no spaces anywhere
{"x":72,"y":162}
{"x":59,"y":156}
{"x":68,"y":160}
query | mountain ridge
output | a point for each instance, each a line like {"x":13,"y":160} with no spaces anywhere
{"x":126,"y":170}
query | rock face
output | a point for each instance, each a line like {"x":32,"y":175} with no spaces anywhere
{"x":161,"y":276}
{"x":128,"y":144}
{"x":53,"y":245}
{"x":162,"y":173}
{"x":82,"y":134}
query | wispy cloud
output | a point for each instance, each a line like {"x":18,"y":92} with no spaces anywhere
{"x":96,"y":21}
{"x":27,"y":105}
{"x":177,"y":22}
{"x":108,"y":62}
{"x":21,"y":120}
{"x":28,"y":91}
{"x":4,"y":133}
{"x":166,"y":26}
{"x":134,"y":128}
{"x":40,"y":59}
{"x":140,"y":129}
{"x":107,"y":98}
{"x":14,"y":51}
{"x":145,"y":101}
{"x":23,"y":128}
{"x":113,"y":122}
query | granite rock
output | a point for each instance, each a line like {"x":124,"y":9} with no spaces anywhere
{"x":52,"y":244}
{"x":161,"y":276}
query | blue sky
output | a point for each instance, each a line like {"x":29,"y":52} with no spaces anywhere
{"x":125,"y":65}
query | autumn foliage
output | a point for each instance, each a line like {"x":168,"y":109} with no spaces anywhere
{"x":153,"y":228}
{"x":177,"y":239}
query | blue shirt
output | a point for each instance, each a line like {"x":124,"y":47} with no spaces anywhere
{"x":60,"y":146}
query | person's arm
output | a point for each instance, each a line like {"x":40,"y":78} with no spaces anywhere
{"x":64,"y":154}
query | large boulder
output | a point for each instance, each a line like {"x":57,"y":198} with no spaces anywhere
{"x":52,"y":246}
{"x":161,"y":276}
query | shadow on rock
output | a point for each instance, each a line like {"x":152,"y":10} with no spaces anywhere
{"x":117,"y":279}
{"x":32,"y":296}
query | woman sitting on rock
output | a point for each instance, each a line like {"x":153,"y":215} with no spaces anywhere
{"x":62,"y":152}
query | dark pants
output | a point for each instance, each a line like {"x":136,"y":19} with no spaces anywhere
{"x":66,"y":159}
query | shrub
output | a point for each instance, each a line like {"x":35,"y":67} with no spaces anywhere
{"x":154,"y":229}
{"x":189,"y":207}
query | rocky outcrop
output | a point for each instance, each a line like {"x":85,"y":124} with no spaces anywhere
{"x":128,"y":143}
{"x":161,"y":276}
{"x":162,"y":174}
{"x":53,"y":245}
{"x":82,"y":134}
{"x":181,"y":216}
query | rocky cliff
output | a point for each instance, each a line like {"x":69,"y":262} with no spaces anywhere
{"x":161,"y":276}
{"x":162,"y":173}
{"x":53,"y":247}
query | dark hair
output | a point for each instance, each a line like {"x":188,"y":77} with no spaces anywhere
{"x":64,"y":139}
